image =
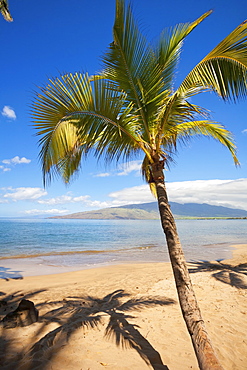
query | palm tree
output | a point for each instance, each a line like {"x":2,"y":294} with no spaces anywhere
{"x":5,"y":10}
{"x":132,"y":107}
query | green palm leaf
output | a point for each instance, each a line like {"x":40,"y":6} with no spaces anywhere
{"x":224,"y":69}
{"x":129,"y":61}
{"x":185,"y":131}
{"x":169,"y":48}
{"x":75,"y":115}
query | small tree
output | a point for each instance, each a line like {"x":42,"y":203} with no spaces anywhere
{"x":132,"y":107}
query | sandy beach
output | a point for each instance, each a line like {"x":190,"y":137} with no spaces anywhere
{"x":125,"y":317}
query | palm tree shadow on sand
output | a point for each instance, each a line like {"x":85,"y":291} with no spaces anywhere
{"x":8,"y":303}
{"x":234,"y":275}
{"x":7,"y":273}
{"x":88,"y":312}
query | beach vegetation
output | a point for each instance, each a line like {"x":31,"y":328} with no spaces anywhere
{"x":134,"y":107}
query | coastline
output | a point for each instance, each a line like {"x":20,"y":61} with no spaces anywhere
{"x":17,"y":267}
{"x":75,"y":308}
{"x":86,"y":243}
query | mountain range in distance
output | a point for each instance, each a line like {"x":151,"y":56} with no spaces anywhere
{"x":149,"y":211}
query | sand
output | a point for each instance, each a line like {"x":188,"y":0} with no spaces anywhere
{"x":80,"y":311}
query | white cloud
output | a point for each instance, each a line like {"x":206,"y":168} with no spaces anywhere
{"x":136,"y":194}
{"x":98,"y":204}
{"x":68,"y":199}
{"x":228,"y":193}
{"x":3,"y":201}
{"x":25,"y":193}
{"x":130,"y":167}
{"x":104,"y":174}
{"x":82,"y":198}
{"x":59,"y":200}
{"x":54,"y":211}
{"x":4,"y":169}
{"x":124,"y":168}
{"x":16,"y":160}
{"x":244,"y":131}
{"x":63,"y":199}
{"x":8,"y":112}
{"x":91,"y":204}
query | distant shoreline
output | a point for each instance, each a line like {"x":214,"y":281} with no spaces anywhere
{"x":140,"y":219}
{"x":119,"y":219}
{"x":149,"y":211}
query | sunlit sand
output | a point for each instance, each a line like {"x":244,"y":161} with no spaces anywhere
{"x":125,"y":317}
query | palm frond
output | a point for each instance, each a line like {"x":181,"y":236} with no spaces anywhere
{"x":169,"y":48}
{"x":224,"y":69}
{"x":74,"y":115}
{"x":130,"y":62}
{"x":175,"y":110}
{"x":61,"y":152}
{"x":61,"y":146}
{"x":4,"y":9}
{"x":185,"y":131}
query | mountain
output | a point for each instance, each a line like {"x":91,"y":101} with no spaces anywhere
{"x":149,"y":211}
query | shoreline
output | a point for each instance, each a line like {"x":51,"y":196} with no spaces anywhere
{"x":38,"y":265}
{"x":76,"y":309}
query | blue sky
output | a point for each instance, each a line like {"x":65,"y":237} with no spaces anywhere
{"x":51,"y":37}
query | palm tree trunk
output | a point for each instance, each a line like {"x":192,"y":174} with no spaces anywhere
{"x":206,"y":357}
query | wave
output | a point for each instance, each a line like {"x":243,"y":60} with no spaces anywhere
{"x":85,"y":252}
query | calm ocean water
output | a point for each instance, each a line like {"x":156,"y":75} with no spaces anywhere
{"x":92,"y":242}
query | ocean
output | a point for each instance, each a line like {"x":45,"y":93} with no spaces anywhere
{"x":87,"y":243}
